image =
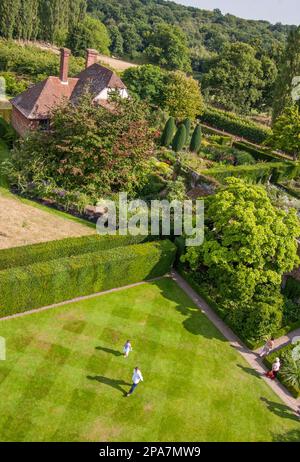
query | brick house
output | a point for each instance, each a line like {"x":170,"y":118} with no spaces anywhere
{"x":32,"y":108}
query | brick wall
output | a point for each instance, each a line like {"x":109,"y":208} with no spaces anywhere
{"x":21,"y":124}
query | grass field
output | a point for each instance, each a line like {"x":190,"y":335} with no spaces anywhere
{"x":64,"y":378}
{"x":25,"y":222}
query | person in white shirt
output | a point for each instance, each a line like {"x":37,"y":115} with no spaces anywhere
{"x":127,"y":348}
{"x":136,"y":379}
{"x":268,"y":347}
{"x":272,"y":374}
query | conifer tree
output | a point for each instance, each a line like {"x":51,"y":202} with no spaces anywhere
{"x":179,"y":139}
{"x":187,"y":124}
{"x":168,"y":133}
{"x":289,"y":69}
{"x":196,"y":139}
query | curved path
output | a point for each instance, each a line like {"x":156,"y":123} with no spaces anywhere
{"x":251,"y":357}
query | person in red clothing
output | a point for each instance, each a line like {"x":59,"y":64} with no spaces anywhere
{"x":272,"y":374}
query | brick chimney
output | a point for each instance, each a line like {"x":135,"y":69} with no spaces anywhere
{"x":91,"y":57}
{"x":64,"y":64}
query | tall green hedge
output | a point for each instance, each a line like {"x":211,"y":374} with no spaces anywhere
{"x":69,"y":247}
{"x":259,"y":173}
{"x":258,"y":154}
{"x":235,"y":124}
{"x":42,"y":284}
{"x":179,"y":139}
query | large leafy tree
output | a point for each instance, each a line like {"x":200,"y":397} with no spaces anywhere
{"x":90,"y":33}
{"x":168,"y":48}
{"x":288,"y":70}
{"x":249,"y":244}
{"x":172,"y":91}
{"x":146,"y":82}
{"x":88,"y":149}
{"x":286,"y":131}
{"x":182,"y":96}
{"x":235,"y":79}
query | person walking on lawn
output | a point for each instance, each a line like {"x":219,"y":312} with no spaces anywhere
{"x":127,"y":349}
{"x":136,"y":379}
{"x":268,"y":347}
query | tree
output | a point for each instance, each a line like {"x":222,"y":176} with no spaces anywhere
{"x":249,"y":244}
{"x":289,"y":69}
{"x":235,"y":79}
{"x":9,"y":10}
{"x":116,"y":40}
{"x":146,"y":82}
{"x":89,"y":149}
{"x":168,"y":133}
{"x":286,"y":131}
{"x":196,"y":139}
{"x":187,"y":124}
{"x":179,"y":139}
{"x":90,"y":33}
{"x":168,"y":48}
{"x":182,"y":96}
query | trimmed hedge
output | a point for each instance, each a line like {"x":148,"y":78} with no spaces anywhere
{"x":42,"y":284}
{"x":237,"y":125}
{"x":268,"y":361}
{"x":259,"y":173}
{"x":290,"y":191}
{"x":69,"y":247}
{"x":258,"y":154}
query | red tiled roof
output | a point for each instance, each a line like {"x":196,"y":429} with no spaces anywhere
{"x":38,"y":101}
{"x":96,"y":78}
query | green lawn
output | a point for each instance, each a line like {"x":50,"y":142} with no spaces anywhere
{"x":64,"y":378}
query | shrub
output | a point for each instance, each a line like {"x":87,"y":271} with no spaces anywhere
{"x":196,"y":139}
{"x":63,"y":248}
{"x":42,"y":284}
{"x":259,"y":173}
{"x":258,"y":154}
{"x":256,"y":321}
{"x":291,"y":312}
{"x":292,"y":288}
{"x":289,"y":371}
{"x":7,"y":132}
{"x":235,"y":124}
{"x":168,"y":133}
{"x":187,"y":124}
{"x":244,"y":158}
{"x":179,"y":139}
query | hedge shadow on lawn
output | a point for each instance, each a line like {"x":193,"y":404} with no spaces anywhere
{"x":195,"y":321}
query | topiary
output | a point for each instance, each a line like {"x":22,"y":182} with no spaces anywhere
{"x":196,"y":139}
{"x":179,"y":139}
{"x":187,"y":124}
{"x":168,"y":133}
